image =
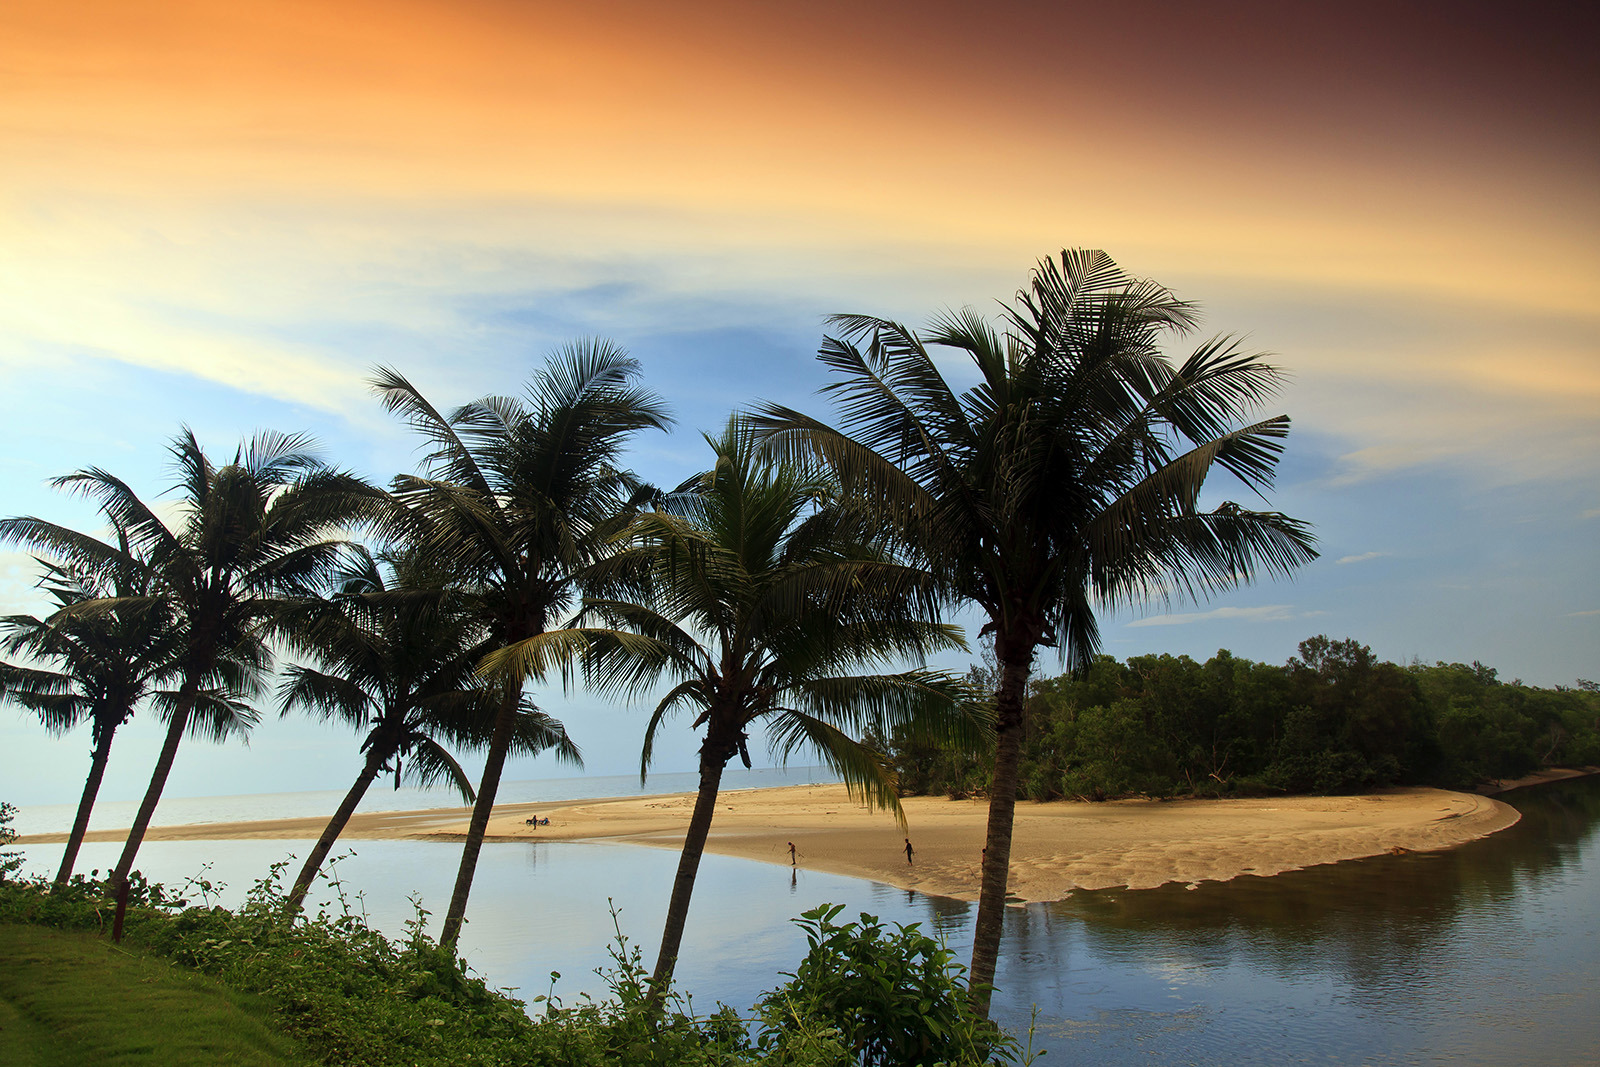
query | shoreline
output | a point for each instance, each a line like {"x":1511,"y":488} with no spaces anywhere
{"x":1058,"y":847}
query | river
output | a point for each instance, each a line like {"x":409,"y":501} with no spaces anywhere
{"x":1489,"y":953}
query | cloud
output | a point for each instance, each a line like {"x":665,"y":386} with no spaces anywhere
{"x":1362,"y":558}
{"x":1582,"y":614}
{"x":1264,"y":613}
{"x":1592,"y":513}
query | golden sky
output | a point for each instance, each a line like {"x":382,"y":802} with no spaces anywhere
{"x":1346,"y":147}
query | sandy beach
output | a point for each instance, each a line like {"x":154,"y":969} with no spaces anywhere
{"x":1058,"y":847}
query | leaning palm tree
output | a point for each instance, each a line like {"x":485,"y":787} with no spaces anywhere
{"x":249,"y":532}
{"x":1069,"y":477}
{"x":94,"y":668}
{"x":398,"y":659}
{"x":762,"y":596}
{"x":517,"y":500}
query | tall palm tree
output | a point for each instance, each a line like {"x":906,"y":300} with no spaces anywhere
{"x":399,"y":657}
{"x":249,"y":532}
{"x":1069,"y":477}
{"x":761,"y":595}
{"x":517,"y":500}
{"x":96,"y":667}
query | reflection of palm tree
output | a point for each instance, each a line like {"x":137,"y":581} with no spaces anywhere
{"x":250,"y":531}
{"x":517,"y":501}
{"x":1070,"y":474}
{"x":399,"y":659}
{"x":760,"y":596}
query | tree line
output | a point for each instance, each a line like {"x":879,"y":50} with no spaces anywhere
{"x":782,"y":584}
{"x":1334,"y":719}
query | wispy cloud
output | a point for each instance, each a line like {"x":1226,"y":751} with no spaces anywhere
{"x":1264,"y":613}
{"x":1362,"y":558}
{"x":1592,"y":513}
{"x":1581,"y":614}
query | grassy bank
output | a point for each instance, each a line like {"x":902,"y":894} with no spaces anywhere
{"x":71,"y":998}
{"x":198,"y":984}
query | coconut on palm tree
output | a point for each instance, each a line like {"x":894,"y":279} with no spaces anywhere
{"x":1070,"y":477}
{"x":249,"y":533}
{"x":763,"y":598}
{"x":398,"y":657}
{"x":517,"y":499}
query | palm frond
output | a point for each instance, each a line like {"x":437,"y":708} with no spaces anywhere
{"x":866,"y":774}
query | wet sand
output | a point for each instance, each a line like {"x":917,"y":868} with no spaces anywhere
{"x":1057,"y":847}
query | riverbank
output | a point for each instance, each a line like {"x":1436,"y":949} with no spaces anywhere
{"x":1057,"y":847}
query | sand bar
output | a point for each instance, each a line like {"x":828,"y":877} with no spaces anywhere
{"x":1057,"y":847}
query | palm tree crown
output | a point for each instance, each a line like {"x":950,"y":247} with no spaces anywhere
{"x":398,"y":659}
{"x":249,"y":532}
{"x":762,"y":595}
{"x":87,"y":666}
{"x":519,"y":497}
{"x":1069,"y":477}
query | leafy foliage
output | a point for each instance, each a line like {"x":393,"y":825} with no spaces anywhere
{"x":10,"y":862}
{"x":893,"y":999}
{"x":1334,"y":719}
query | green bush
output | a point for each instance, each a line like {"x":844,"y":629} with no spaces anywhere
{"x":10,"y":862}
{"x":873,"y":997}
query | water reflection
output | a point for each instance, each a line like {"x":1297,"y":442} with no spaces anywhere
{"x":1486,"y":951}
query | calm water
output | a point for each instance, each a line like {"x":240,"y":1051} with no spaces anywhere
{"x":1484,"y":954}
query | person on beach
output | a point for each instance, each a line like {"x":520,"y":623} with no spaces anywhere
{"x":791,"y":854}
{"x":909,"y":852}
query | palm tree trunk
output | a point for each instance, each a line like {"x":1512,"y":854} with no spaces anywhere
{"x":158,"y":782}
{"x":91,"y":789}
{"x":694,"y":846}
{"x":335,"y":827}
{"x":1002,"y":810}
{"x":499,"y":744}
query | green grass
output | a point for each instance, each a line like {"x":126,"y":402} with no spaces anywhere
{"x":72,"y":998}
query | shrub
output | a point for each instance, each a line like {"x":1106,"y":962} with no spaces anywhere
{"x":875,"y":997}
{"x":10,"y":862}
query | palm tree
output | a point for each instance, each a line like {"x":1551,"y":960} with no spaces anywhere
{"x":1069,"y":477}
{"x":105,"y":663}
{"x":399,"y":659}
{"x":761,"y":595}
{"x":249,"y":533}
{"x":519,"y":498}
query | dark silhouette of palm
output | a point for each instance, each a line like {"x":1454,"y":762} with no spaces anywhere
{"x":398,"y":658}
{"x":250,"y":532}
{"x":1069,"y":476}
{"x":517,"y":500}
{"x":95,"y":664}
{"x":761,"y":595}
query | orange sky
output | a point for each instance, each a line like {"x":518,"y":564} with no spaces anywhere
{"x":1239,"y":140}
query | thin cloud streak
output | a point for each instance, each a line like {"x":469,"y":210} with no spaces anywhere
{"x":1263,"y":613}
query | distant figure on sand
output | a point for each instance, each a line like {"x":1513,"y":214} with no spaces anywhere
{"x":791,"y":854}
{"x":909,"y":852}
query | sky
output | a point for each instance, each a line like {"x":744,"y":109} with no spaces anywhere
{"x":224,"y":215}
